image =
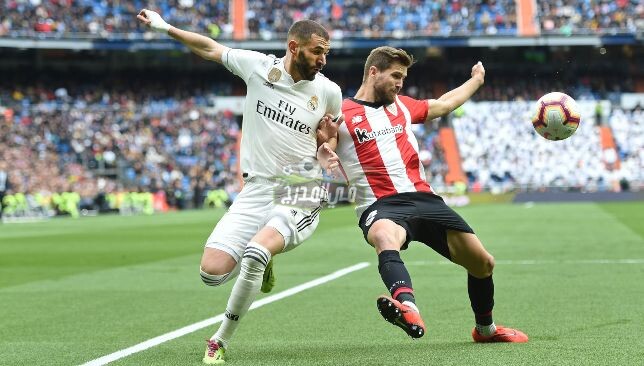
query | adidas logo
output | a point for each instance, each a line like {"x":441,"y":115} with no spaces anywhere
{"x":231,"y":316}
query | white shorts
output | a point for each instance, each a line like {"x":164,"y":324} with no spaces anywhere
{"x":254,"y":208}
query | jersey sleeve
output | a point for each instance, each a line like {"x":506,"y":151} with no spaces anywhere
{"x":334,"y":104}
{"x":244,"y":62}
{"x":417,"y":108}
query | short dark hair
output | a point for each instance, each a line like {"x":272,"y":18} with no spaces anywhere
{"x":383,"y":57}
{"x":302,"y":30}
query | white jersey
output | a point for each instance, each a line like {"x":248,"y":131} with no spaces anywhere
{"x":280,"y":116}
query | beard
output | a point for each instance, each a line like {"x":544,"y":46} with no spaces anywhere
{"x":305,"y":71}
{"x":384,"y":95}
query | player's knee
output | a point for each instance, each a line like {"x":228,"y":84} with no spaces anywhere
{"x":214,"y":279}
{"x":384,"y":237}
{"x":214,"y":266}
{"x":485,"y":267}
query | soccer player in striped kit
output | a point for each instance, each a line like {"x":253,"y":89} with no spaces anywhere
{"x":379,"y":156}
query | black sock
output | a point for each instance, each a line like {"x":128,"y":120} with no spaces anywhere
{"x":481,"y":291}
{"x":395,"y":276}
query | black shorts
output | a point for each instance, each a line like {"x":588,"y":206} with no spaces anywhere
{"x":425,"y":217}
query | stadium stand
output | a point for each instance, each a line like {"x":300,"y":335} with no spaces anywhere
{"x":347,"y":18}
{"x":100,"y":142}
{"x":500,"y":153}
{"x":580,"y":16}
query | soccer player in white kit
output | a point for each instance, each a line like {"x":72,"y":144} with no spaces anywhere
{"x":395,"y":205}
{"x":285,"y":101}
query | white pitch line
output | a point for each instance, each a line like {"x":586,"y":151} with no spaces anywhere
{"x":214,"y":320}
{"x":538,"y":262}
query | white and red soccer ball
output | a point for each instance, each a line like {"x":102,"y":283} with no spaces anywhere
{"x":556,"y":116}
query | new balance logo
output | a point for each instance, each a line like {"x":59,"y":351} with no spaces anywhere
{"x":231,"y":316}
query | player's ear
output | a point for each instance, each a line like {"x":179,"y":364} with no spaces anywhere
{"x":373,"y":71}
{"x":293,"y":46}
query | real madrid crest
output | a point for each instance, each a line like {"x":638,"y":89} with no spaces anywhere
{"x":274,"y":75}
{"x":313,"y":103}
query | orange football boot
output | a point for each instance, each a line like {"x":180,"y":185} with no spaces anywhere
{"x":502,"y":334}
{"x":401,"y":315}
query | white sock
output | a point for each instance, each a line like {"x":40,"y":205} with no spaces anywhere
{"x":244,"y":291}
{"x":411,"y":305}
{"x":486,"y":330}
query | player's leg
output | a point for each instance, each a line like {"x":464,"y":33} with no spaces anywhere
{"x":400,"y":309}
{"x":283,"y":229}
{"x":226,"y":246}
{"x":467,"y":250}
{"x":259,"y":251}
{"x":387,"y":238}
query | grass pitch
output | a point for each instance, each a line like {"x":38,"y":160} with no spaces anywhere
{"x":569,"y":275}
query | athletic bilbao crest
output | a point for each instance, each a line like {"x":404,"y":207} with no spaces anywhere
{"x":393,"y":109}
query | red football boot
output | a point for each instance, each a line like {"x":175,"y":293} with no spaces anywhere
{"x":402,"y":316}
{"x":502,"y":334}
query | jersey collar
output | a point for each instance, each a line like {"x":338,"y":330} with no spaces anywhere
{"x":368,"y":104}
{"x":288,"y":78}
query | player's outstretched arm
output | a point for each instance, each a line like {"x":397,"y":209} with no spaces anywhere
{"x":456,"y":97}
{"x":200,"y":45}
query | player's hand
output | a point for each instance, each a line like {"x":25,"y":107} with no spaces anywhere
{"x":328,"y":159}
{"x":478,"y":72}
{"x":153,"y":20}
{"x":327,"y":129}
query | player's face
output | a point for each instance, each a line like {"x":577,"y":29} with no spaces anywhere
{"x":311,"y":56}
{"x":388,"y":83}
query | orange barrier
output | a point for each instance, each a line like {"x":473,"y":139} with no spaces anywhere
{"x":159,"y":202}
{"x":527,"y":18}
{"x":239,"y":19}
{"x":608,"y":143}
{"x":452,"y":156}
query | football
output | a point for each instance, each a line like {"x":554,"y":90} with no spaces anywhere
{"x":556,"y":116}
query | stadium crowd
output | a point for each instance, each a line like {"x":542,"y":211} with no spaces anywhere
{"x":54,"y":141}
{"x":628,"y":131}
{"x":346,"y":18}
{"x":583,"y":16}
{"x":88,"y":146}
{"x":501,"y":152}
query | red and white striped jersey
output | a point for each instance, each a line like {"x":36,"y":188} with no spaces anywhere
{"x":378,"y":150}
